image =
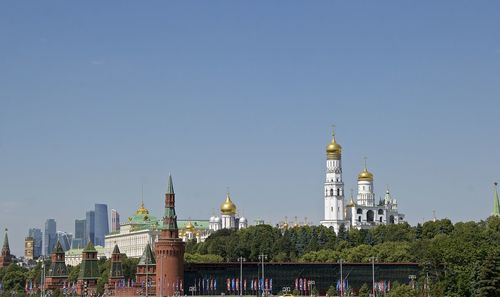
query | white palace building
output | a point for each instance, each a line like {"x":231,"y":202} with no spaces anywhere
{"x":362,"y":213}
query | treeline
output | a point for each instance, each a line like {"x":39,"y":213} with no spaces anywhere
{"x":457,"y":259}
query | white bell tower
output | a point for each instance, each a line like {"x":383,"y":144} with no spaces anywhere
{"x":334,"y":187}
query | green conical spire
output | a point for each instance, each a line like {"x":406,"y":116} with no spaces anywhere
{"x":170,"y":186}
{"x":6,"y":247}
{"x":148,"y":257}
{"x":116,"y":250}
{"x":496,"y":203}
{"x":90,"y":247}
{"x":58,"y":249}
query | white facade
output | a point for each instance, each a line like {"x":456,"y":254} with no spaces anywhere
{"x":73,"y":257}
{"x":364,"y":212}
{"x":130,"y":242}
{"x":228,"y":218}
{"x":334,"y":188}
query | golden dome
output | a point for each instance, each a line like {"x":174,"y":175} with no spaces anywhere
{"x":351,"y":203}
{"x":333,"y":149}
{"x":228,"y":207}
{"x":142,"y":210}
{"x":189,"y":227}
{"x":365,"y":175}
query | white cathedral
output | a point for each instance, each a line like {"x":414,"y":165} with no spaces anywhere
{"x":228,"y":218}
{"x":363,"y":213}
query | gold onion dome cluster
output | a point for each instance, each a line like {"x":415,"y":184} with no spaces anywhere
{"x":189,"y":227}
{"x":365,"y":175}
{"x":228,"y":207}
{"x":142,"y":210}
{"x":333,"y":149}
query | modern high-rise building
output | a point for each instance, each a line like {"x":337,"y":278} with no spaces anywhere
{"x":101,"y":223}
{"x":90,"y":226}
{"x":64,"y":239}
{"x":78,"y":241}
{"x":115,"y":221}
{"x":37,"y":236}
{"x":49,"y":236}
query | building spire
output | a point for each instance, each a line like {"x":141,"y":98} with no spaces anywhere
{"x":6,"y":247}
{"x":496,"y":202}
{"x":170,"y":186}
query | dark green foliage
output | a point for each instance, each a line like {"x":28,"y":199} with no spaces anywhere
{"x":488,"y":278}
{"x":402,"y":291}
{"x":332,"y":291}
{"x":73,"y":273}
{"x":13,"y":278}
{"x":364,"y":291}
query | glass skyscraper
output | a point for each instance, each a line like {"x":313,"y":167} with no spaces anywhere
{"x":101,"y":223}
{"x":78,"y":241}
{"x":49,"y":236}
{"x":37,"y":236}
{"x":90,"y":226}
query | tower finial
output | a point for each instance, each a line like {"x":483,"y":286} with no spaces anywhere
{"x":496,"y":202}
{"x":333,"y":130}
{"x":142,"y":195}
{"x":170,"y":186}
{"x":366,"y":168}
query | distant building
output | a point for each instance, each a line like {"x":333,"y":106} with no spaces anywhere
{"x":101,"y":225}
{"x":228,"y":218}
{"x":37,"y":236}
{"x":64,"y":239}
{"x":29,"y":248}
{"x":5,"y":256}
{"x":78,"y":241}
{"x":89,"y":226}
{"x":49,"y":236}
{"x":115,"y":221}
{"x":73,"y":257}
{"x":363,"y":213}
{"x":140,"y":229}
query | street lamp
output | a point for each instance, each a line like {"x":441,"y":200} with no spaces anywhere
{"x":341,"y":278}
{"x":373,"y":276}
{"x":241,"y":259}
{"x":311,"y":283}
{"x":263,"y":257}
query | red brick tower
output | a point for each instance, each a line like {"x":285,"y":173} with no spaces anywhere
{"x":116,"y":276}
{"x":57,"y":275}
{"x":5,"y":257}
{"x":169,"y":250}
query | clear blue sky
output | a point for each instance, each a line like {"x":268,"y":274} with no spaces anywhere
{"x":97,"y":98}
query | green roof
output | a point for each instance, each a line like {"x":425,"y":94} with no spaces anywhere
{"x":170,"y":186}
{"x":148,"y":257}
{"x":89,"y":248}
{"x":6,"y":247}
{"x":58,"y":248}
{"x":198,"y":224}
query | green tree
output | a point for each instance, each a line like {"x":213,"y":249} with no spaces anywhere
{"x":402,"y":291}
{"x":332,"y":291}
{"x":14,"y":278}
{"x":364,"y":291}
{"x":489,"y":276}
